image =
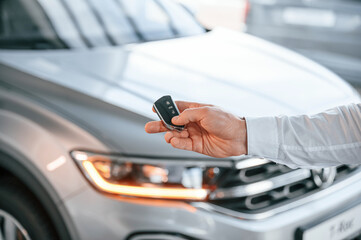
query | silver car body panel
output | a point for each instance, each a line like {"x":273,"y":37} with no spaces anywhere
{"x":260,"y":78}
{"x":40,"y":141}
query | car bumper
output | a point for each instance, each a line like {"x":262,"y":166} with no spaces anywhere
{"x":97,"y":216}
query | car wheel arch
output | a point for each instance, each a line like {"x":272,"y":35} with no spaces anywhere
{"x":11,"y":163}
{"x":15,"y":159}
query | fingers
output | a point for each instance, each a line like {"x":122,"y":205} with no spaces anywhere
{"x":183,"y":105}
{"x":191,"y":115}
{"x":169,"y":135}
{"x":190,"y":112}
{"x":179,"y":140}
{"x":182,"y":143}
{"x":155,"y":127}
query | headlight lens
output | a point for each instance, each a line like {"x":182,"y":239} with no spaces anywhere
{"x":151,"y":178}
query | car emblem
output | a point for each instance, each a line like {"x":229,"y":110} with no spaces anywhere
{"x":324,"y":177}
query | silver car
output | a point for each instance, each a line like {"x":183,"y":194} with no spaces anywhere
{"x":77,"y":83}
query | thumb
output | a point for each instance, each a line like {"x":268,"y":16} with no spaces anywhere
{"x":190,"y":115}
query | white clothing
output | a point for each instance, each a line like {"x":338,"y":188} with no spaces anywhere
{"x":326,"y":139}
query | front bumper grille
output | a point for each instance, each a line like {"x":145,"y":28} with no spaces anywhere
{"x":260,"y":185}
{"x":159,"y":236}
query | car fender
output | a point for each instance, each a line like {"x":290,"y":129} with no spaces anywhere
{"x":34,"y":146}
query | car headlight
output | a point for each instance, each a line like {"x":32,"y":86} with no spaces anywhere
{"x":152,"y":177}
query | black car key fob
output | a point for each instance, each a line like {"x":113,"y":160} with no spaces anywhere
{"x":166,"y":110}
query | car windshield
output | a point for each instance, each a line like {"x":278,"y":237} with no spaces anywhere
{"x":57,"y":24}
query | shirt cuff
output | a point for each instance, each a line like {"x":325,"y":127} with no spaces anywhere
{"x":262,"y":137}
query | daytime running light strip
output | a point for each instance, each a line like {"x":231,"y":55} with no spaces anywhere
{"x":168,"y":193}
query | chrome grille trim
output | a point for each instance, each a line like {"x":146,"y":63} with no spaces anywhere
{"x":261,"y":186}
{"x":251,"y":162}
{"x":154,"y":236}
{"x":337,"y":186}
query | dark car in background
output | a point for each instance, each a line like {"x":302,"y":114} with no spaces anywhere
{"x":328,"y":32}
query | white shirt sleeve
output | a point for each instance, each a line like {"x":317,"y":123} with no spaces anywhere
{"x":326,"y":139}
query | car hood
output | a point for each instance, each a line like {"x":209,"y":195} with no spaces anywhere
{"x":241,"y":73}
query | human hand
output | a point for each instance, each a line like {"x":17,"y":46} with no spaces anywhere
{"x":209,"y":130}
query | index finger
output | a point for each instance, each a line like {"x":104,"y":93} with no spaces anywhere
{"x":183,"y":105}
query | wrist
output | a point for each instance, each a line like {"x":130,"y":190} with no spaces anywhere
{"x":242,"y":143}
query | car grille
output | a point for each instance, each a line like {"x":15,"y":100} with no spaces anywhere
{"x":159,"y":236}
{"x":259,"y":185}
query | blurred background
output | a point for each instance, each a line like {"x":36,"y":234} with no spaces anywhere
{"x":328,"y":32}
{"x":219,"y":13}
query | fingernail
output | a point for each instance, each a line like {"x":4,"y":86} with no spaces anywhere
{"x":175,"y":118}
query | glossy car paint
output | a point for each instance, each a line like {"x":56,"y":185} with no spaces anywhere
{"x":55,"y":101}
{"x":261,"y":78}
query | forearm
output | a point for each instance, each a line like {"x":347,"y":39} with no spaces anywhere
{"x":326,"y":139}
